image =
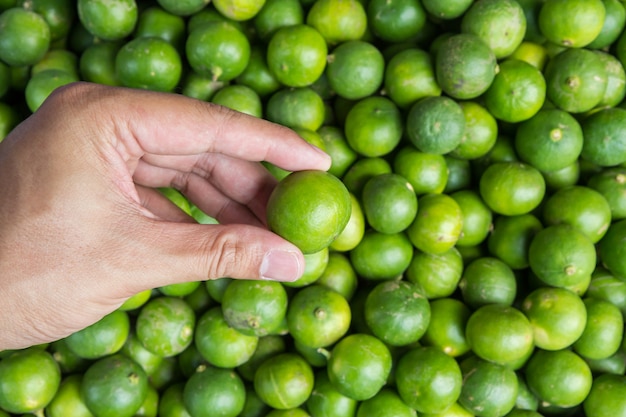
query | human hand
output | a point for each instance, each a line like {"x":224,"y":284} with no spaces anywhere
{"x":83,"y":229}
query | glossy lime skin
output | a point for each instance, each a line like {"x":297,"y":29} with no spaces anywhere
{"x":24,"y":37}
{"x":29,"y":380}
{"x":108,"y":20}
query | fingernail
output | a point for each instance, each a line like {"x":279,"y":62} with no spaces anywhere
{"x":280,"y":265}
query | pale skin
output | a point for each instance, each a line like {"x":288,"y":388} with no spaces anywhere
{"x":82,"y":227}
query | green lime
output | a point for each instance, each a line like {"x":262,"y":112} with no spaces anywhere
{"x":531,"y":11}
{"x":562,"y":256}
{"x":189,"y":360}
{"x":550,"y":140}
{"x":296,"y":108}
{"x":605,"y":286}
{"x":387,"y":403}
{"x":581,"y":207}
{"x":284,"y":381}
{"x":381,"y":256}
{"x":397,"y":313}
{"x":448,"y":9}
{"x":336,"y":145}
{"x":254,"y":406}
{"x":157,"y":22}
{"x":240,"y":98}
{"x":428,"y":380}
{"x":29,"y":380}
{"x":389,"y":203}
{"x":67,"y":401}
{"x":220,"y":344}
{"x":604,"y":145}
{"x":296,"y":55}
{"x":532,"y":53}
{"x":165,"y":325}
{"x":616,"y":79}
{"x":373,"y":126}
{"x":355,"y":68}
{"x":517,"y":93}
{"x":180,"y":289}
{"x":564,"y":177}
{"x":500,"y":334}
{"x":183,"y":8}
{"x":61,"y":59}
{"x":108,"y":20}
{"x":318,"y":316}
{"x":292,"y":412}
{"x":133,"y":348}
{"x":606,"y":397}
{"x":576,"y":79}
{"x":362,"y":170}
{"x":438,"y":224}
{"x":214,"y":391}
{"x":611,"y":183}
{"x":218,"y":50}
{"x":97,"y":63}
{"x":396,"y":20}
{"x":489,"y":389}
{"x":459,"y":173}
{"x":42,"y":84}
{"x":465,"y":66}
{"x":436,"y":274}
{"x":68,"y":361}
{"x":136,"y":301}
{"x":481,"y":132}
{"x":104,"y":337}
{"x":477,"y":217}
{"x":410,"y":76}
{"x":510,"y":238}
{"x":239,"y":10}
{"x":148,"y":63}
{"x":611,"y":249}
{"x":557,"y":316}
{"x":114,"y":386}
{"x":171,"y":402}
{"x":276,"y":14}
{"x":501,"y":24}
{"x":446,"y":330}
{"x":435,"y":125}
{"x":613,"y":25}
{"x":426,"y":172}
{"x":604,"y":330}
{"x":257,"y":74}
{"x":560,"y":378}
{"x":267,"y":347}
{"x":512,"y":188}
{"x":339,"y":275}
{"x":573,"y":24}
{"x":352,"y":234}
{"x":488,"y":280}
{"x":24,"y":38}
{"x":326,"y":401}
{"x":310,"y":209}
{"x":338,"y":21}
{"x":359,"y":366}
{"x":254,"y":308}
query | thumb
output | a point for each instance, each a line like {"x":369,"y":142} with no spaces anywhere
{"x":195,"y":252}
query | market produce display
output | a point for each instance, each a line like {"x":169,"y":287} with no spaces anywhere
{"x":466,"y":251}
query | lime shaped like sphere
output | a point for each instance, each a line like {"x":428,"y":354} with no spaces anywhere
{"x":309,"y":209}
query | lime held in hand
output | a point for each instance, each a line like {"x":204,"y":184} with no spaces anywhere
{"x":309,"y":208}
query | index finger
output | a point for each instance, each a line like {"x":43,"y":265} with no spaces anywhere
{"x":173,"y":124}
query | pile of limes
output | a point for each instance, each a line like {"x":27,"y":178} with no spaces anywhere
{"x":466,"y":251}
